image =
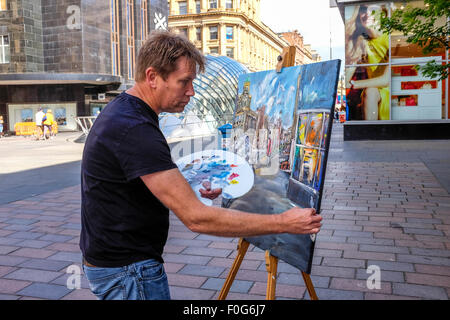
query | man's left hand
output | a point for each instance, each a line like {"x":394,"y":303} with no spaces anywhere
{"x":208,"y":193}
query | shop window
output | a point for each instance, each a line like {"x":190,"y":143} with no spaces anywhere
{"x":3,"y":5}
{"x":96,"y":108}
{"x":415,"y":96}
{"x":213,"y":33}
{"x":418,"y":85}
{"x":4,"y":49}
{"x":182,"y":6}
{"x":26,"y":115}
{"x":60,"y":116}
{"x":367,"y":92}
{"x":229,"y":33}
{"x":401,"y":48}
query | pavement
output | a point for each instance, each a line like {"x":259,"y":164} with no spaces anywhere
{"x":386,"y":208}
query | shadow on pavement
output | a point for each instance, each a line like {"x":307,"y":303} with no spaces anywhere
{"x":29,"y":183}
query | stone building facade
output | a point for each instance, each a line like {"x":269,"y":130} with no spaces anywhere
{"x":64,"y":54}
{"x":230,"y":28}
{"x":303,"y":52}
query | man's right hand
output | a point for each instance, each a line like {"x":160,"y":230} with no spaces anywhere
{"x":301,"y":221}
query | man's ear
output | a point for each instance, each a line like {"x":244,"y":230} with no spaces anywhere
{"x":151,"y":77}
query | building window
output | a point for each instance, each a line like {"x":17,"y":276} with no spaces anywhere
{"x":184,"y":32}
{"x":3,"y":5}
{"x":214,"y":50}
{"x":213,"y":4}
{"x":130,"y":38}
{"x":198,"y":32}
{"x":115,"y":39}
{"x":182,"y":6}
{"x":229,"y":33}
{"x":230,"y":53}
{"x":229,"y":4}
{"x":213,"y":34}
{"x":4,"y":49}
{"x":197,"y":6}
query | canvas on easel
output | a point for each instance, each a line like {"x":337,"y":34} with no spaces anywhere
{"x":282,"y":127}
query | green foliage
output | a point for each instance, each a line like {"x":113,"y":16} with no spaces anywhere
{"x":419,"y":26}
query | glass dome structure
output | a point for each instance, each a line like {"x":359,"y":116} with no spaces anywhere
{"x":214,"y":101}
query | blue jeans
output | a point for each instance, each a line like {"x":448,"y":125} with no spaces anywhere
{"x":144,"y":280}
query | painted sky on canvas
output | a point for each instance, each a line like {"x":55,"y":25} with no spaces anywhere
{"x":277,"y":91}
{"x":318,"y":81}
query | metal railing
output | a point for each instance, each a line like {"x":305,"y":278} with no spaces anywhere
{"x":190,"y":125}
{"x":85,"y":123}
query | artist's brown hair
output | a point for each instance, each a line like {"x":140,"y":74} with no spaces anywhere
{"x":161,"y":51}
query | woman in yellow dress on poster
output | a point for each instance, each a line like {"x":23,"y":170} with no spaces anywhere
{"x":366,"y":45}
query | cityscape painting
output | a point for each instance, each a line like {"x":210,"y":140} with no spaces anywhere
{"x":282,"y":127}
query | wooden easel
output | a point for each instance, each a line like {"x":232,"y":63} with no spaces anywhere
{"x":271,"y":266}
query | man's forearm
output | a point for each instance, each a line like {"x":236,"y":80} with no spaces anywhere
{"x":232,"y":223}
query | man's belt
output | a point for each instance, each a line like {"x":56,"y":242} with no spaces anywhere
{"x":88,"y":264}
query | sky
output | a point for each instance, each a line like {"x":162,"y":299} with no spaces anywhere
{"x":315,"y":21}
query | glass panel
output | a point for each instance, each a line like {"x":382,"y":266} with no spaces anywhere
{"x":213,"y":33}
{"x":213,"y":4}
{"x":230,"y":52}
{"x":229,"y":33}
{"x":7,"y":54}
{"x":2,"y":49}
{"x":229,"y":4}
{"x":197,"y":6}
{"x":26,"y":115}
{"x":368,"y":93}
{"x":415,"y":97}
{"x":402,"y":49}
{"x":3,"y":5}
{"x":364,"y":43}
{"x":60,"y":116}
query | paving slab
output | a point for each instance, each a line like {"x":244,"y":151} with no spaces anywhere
{"x":385,"y":204}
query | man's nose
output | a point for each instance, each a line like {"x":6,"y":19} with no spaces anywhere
{"x":190,"y":92}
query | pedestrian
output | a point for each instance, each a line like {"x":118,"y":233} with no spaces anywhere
{"x":1,"y":126}
{"x":129,"y":181}
{"x":48,"y":122}
{"x":39,"y":123}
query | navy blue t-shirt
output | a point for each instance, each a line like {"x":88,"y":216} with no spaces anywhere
{"x":122,"y":221}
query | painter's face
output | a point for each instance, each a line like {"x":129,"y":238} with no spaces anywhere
{"x":178,"y":88}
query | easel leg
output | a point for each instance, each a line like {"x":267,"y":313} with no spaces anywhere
{"x":271,"y":266}
{"x":242,"y":249}
{"x":309,"y":286}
